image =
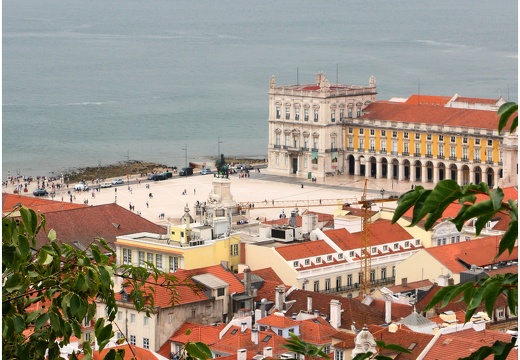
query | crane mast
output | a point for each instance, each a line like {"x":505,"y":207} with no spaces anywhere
{"x":366,"y":265}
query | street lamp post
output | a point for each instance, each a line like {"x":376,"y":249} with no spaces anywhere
{"x":382,"y":191}
{"x":186,"y":158}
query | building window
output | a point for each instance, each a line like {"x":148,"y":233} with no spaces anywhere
{"x":221,"y":291}
{"x":383,"y":273}
{"x":406,"y":148}
{"x":465,"y":153}
{"x":287,"y":113}
{"x":127,"y":256}
{"x":341,"y":115}
{"x":383,"y":145}
{"x":417,"y":136}
{"x":465,"y":140}
{"x":349,"y":280}
{"x":340,"y":256}
{"x":349,"y":113}
{"x":350,"y":130}
{"x":490,"y":142}
{"x":372,"y":132}
{"x":158,"y":261}
{"x":119,"y":316}
{"x":333,"y":116}
{"x":278,"y":112}
{"x":329,"y":257}
{"x":396,"y":246}
{"x":383,"y":132}
{"x":132,"y":318}
{"x":417,"y":148}
{"x":394,"y":134}
{"x":477,"y":141}
{"x":296,"y":263}
{"x":338,"y":354}
{"x":170,"y":318}
{"x":352,"y":254}
{"x":361,"y":142}
{"x":501,"y":314}
{"x":428,"y":149}
{"x":385,"y":247}
{"x":441,"y":137}
{"x":394,"y":147}
{"x":358,"y":112}
{"x":406,"y":244}
{"x":307,"y":261}
{"x":441,"y":150}
{"x":374,"y":250}
{"x":141,"y":258}
{"x":149,"y":258}
{"x":173,"y":264}
{"x":417,"y":242}
{"x":405,"y":135}
{"x":372,"y":144}
{"x":327,"y":284}
{"x":338,"y":283}
{"x":234,"y":249}
{"x":306,"y":114}
{"x":86,"y":321}
{"x":87,"y":336}
{"x":361,"y":131}
{"x":316,"y":286}
{"x":372,"y":275}
{"x":453,"y":152}
{"x":318,"y":260}
{"x":452,"y":139}
{"x":146,"y":343}
{"x":428,"y":137}
{"x":146,"y":320}
{"x":315,"y":115}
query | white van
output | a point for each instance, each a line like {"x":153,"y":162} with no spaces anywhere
{"x":80,"y":187}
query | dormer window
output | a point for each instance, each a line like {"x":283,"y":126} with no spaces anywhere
{"x":385,"y":247}
{"x":124,"y":295}
{"x":307,"y":262}
{"x":374,"y":250}
{"x":406,"y":244}
{"x":396,"y":246}
{"x":329,"y":257}
{"x":296,"y":263}
{"x":340,"y":256}
{"x":417,"y":242}
{"x":352,"y":254}
{"x":318,"y":260}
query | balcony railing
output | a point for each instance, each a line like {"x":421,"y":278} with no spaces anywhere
{"x":382,"y":151}
{"x":342,"y":289}
{"x":440,"y":157}
{"x":315,"y":149}
{"x":286,"y":147}
{"x":453,"y":158}
{"x":361,"y":149}
{"x":477,"y":161}
{"x":350,"y":148}
{"x":465,"y":159}
{"x":394,"y":153}
{"x":305,"y":149}
{"x":372,"y":151}
{"x":429,"y":156}
{"x":500,"y":163}
{"x":417,"y":154}
{"x":277,"y":146}
{"x":406,"y":153}
{"x":490,"y":162}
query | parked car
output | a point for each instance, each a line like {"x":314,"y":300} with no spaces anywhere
{"x":106,"y":185}
{"x":117,"y":181}
{"x":40,"y":192}
{"x":157,"y":177}
{"x":186,"y":171}
{"x":168,"y":174}
{"x":206,"y":171}
{"x":80,"y":187}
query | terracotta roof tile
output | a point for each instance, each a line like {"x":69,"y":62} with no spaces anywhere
{"x":410,"y":286}
{"x":278,"y":320}
{"x":434,"y":115}
{"x":316,"y":331}
{"x":41,"y":205}
{"x":305,"y":250}
{"x":208,"y":334}
{"x":399,"y":310}
{"x":427,"y":100}
{"x":140,"y":353}
{"x":479,"y":252}
{"x":461,"y":344}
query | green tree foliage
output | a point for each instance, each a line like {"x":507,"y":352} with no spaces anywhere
{"x":64,"y":282}
{"x":431,"y":204}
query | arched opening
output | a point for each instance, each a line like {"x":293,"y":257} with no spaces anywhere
{"x":406,"y":166}
{"x":373,"y":167}
{"x":453,"y":172}
{"x":351,"y":164}
{"x":465,"y":174}
{"x":418,"y":170}
{"x":478,"y":175}
{"x":490,"y":175}
{"x":384,"y":168}
{"x":442,"y":171}
{"x":395,"y":169}
{"x":362,"y":165}
{"x":429,"y":171}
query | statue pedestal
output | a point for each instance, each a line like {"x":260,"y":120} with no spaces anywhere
{"x":222,"y":192}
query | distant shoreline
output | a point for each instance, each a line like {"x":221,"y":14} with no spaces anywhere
{"x":137,"y":167}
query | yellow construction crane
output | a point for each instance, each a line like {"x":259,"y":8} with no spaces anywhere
{"x":366,"y":263}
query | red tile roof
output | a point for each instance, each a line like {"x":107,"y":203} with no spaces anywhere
{"x":208,"y":334}
{"x":316,"y":331}
{"x":230,"y":343}
{"x":461,"y":344}
{"x":479,"y":252}
{"x":410,"y":286}
{"x":434,"y":115}
{"x":399,"y":311}
{"x":10,"y":202}
{"x":455,"y":305}
{"x":305,"y":250}
{"x":380,"y":232}
{"x":140,"y":353}
{"x":185,"y":295}
{"x":85,"y":224}
{"x":427,"y":100}
{"x":475,"y":100}
{"x":353,"y":311}
{"x":278,"y":320}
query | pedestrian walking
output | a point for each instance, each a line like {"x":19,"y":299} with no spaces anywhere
{"x":147,"y":204}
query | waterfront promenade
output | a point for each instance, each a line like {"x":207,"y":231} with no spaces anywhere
{"x":169,"y":197}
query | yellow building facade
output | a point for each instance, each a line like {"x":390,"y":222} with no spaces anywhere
{"x":427,"y":140}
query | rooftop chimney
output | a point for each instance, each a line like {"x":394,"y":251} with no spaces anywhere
{"x":254,"y":336}
{"x":388,"y":311}
{"x":241,"y":354}
{"x":268,"y":351}
{"x":404,"y":281}
{"x":243,"y":327}
{"x":316,"y":313}
{"x":309,"y":304}
{"x":335,"y":314}
{"x":280,"y":297}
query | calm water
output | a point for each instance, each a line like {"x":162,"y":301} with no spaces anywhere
{"x":96,"y":82}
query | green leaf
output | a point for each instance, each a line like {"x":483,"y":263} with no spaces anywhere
{"x":198,"y":350}
{"x":509,"y":238}
{"x":52,"y":235}
{"x":406,"y":201}
{"x":44,"y":258}
{"x":104,"y":335}
{"x":505,"y":112}
{"x":41,"y":321}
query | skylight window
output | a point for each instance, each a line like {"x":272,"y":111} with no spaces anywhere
{"x":267,"y":338}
